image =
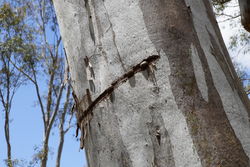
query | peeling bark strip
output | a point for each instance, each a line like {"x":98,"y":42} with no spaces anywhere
{"x":84,"y":115}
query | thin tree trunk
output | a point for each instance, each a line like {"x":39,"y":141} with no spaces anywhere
{"x":7,"y":138}
{"x":166,"y":91}
{"x":60,"y":148}
{"x":7,"y":108}
{"x":50,"y":122}
{"x":45,"y":151}
{"x":61,"y":128}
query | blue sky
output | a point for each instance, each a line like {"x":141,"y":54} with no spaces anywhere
{"x":26,"y":133}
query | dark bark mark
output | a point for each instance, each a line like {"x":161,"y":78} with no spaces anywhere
{"x":132,"y":81}
{"x":236,"y":81}
{"x":125,"y":159}
{"x":87,"y":64}
{"x":158,"y":134}
{"x":82,"y":122}
{"x":170,"y":28}
{"x":85,"y":107}
{"x":112,"y":97}
{"x":92,"y":85}
{"x":163,"y":155}
{"x":89,"y":69}
{"x":91,"y":26}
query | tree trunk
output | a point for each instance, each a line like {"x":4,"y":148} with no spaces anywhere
{"x":63,"y":131}
{"x":45,"y":152}
{"x":169,"y":92}
{"x":245,"y":13}
{"x":60,"y":148}
{"x":7,"y":136}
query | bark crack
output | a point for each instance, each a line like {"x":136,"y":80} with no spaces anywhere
{"x":158,"y":135}
{"x":91,"y":25}
{"x":85,"y":107}
{"x":113,"y":36}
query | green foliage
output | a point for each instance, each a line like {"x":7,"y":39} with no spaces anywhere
{"x":219,"y":5}
{"x":17,"y":49}
{"x":17,"y":45}
{"x":241,"y":39}
{"x":229,"y":12}
{"x":247,"y":88}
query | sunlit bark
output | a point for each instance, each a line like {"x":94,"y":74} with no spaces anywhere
{"x":185,"y":108}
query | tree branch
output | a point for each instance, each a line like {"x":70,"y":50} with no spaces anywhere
{"x":39,"y":98}
{"x":51,"y":121}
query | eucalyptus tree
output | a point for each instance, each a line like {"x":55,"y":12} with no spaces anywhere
{"x":55,"y":104}
{"x":16,"y":47}
{"x":154,"y":84}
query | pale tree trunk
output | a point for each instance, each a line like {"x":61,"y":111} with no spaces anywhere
{"x":169,"y":93}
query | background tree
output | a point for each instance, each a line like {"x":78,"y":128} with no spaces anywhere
{"x":35,"y":57}
{"x":56,"y":103}
{"x":17,"y":46}
{"x":191,"y":111}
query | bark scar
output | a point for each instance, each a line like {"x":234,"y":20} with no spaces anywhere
{"x":158,"y":135}
{"x":85,"y":107}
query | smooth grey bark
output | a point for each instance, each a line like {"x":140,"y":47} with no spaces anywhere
{"x":185,"y":108}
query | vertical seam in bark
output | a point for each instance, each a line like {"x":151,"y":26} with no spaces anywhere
{"x":125,"y":156}
{"x":220,"y":58}
{"x":114,"y":40}
{"x":90,"y":17}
